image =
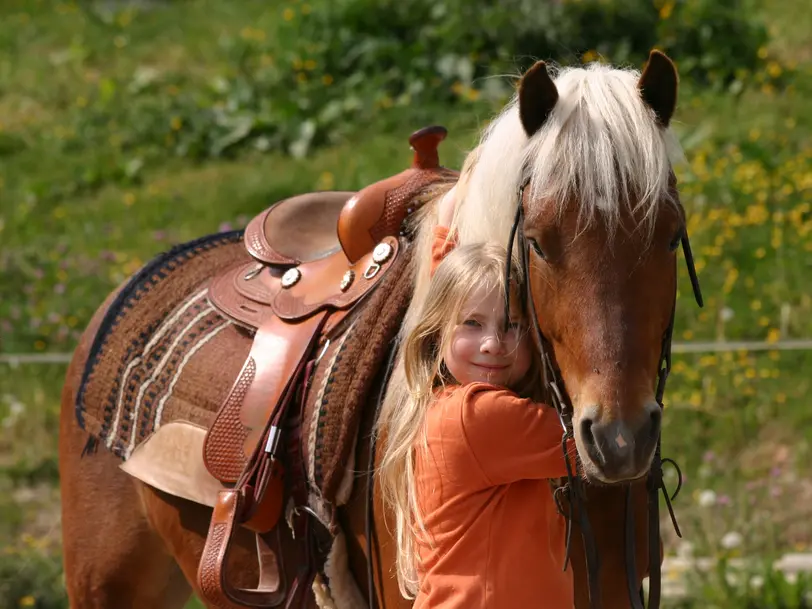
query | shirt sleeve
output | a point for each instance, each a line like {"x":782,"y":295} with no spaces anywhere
{"x":513,"y":438}
{"x":441,"y":245}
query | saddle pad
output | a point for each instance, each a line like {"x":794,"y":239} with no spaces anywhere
{"x":162,"y":352}
{"x":342,"y":383}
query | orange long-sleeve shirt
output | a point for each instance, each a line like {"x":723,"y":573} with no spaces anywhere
{"x":493,"y":538}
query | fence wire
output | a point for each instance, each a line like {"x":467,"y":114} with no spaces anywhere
{"x":803,"y":344}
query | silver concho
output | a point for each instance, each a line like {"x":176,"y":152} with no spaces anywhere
{"x":381,"y":253}
{"x":346,"y":281}
{"x":291,"y":277}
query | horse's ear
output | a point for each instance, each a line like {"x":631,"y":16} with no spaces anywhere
{"x":537,"y":97}
{"x":658,"y":86}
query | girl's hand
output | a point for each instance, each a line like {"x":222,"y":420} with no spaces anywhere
{"x":446,"y":208}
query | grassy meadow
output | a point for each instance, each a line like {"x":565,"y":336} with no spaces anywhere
{"x":119,"y":138}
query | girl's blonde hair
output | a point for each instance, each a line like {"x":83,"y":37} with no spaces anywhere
{"x":464,"y":270}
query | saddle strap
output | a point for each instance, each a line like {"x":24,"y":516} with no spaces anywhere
{"x":212,"y":577}
{"x":277,"y":351}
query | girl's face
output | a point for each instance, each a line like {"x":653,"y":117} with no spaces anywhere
{"x":480,"y":349}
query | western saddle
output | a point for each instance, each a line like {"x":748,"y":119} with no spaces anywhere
{"x":313,"y":258}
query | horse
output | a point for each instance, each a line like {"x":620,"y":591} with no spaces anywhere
{"x":578,"y":170}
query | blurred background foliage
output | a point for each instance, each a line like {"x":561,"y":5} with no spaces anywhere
{"x":305,"y":73}
{"x":128,"y":126}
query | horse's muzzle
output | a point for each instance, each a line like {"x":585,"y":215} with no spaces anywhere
{"x":617,"y":449}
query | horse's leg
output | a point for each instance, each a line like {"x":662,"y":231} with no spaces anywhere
{"x":183,"y":525}
{"x":112,"y":558}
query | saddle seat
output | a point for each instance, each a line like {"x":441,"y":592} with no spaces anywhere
{"x":298,"y":229}
{"x":312,"y":226}
{"x":313,"y":259}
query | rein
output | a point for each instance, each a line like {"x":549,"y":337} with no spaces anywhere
{"x":573,"y":488}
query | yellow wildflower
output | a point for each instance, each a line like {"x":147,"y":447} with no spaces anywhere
{"x":666,"y":10}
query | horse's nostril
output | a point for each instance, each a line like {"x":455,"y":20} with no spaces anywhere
{"x":586,"y":431}
{"x":656,"y":417}
{"x":588,"y":440}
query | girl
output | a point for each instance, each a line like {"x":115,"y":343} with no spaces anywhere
{"x":467,"y":464}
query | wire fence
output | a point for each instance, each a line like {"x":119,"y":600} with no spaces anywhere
{"x":801,"y":344}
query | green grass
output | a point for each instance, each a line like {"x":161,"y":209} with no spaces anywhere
{"x":82,"y":207}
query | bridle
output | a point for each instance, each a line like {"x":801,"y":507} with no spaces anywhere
{"x":573,"y":488}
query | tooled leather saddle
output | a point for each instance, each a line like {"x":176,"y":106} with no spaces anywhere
{"x":314,"y":258}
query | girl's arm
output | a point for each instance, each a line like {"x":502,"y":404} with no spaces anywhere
{"x":512,"y":438}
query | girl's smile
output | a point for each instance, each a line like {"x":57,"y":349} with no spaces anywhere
{"x":480,"y":349}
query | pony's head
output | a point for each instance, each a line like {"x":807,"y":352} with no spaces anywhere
{"x":602,"y":221}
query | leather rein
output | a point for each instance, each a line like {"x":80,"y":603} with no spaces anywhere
{"x":573,"y":488}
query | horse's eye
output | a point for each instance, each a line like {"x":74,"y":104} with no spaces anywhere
{"x":676,"y":240}
{"x":536,"y":248}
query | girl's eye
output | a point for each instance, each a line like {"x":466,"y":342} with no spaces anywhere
{"x":471,"y":323}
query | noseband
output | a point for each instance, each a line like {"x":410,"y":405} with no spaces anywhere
{"x":573,"y":488}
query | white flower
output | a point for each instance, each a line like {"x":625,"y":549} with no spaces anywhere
{"x":707,"y":498}
{"x":757,"y":582}
{"x":727,"y":314}
{"x":731,"y":540}
{"x":685,"y":550}
{"x":15,"y":410}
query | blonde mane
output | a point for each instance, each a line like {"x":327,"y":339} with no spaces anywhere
{"x":601,"y":146}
